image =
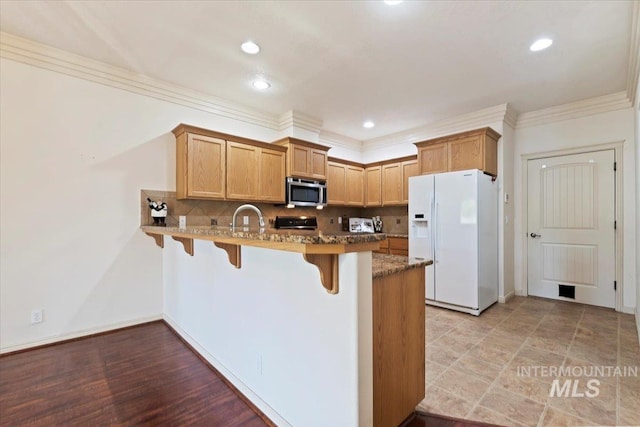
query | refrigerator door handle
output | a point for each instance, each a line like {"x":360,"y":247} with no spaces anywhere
{"x":435,"y":229}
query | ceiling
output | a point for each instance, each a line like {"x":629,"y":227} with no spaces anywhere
{"x":344,"y":62}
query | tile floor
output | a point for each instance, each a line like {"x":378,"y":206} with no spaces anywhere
{"x":473,"y":364}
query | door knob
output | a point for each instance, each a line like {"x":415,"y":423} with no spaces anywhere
{"x":534,"y":235}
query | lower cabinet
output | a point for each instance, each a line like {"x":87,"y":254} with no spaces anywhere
{"x":394,"y":246}
{"x":398,"y":346}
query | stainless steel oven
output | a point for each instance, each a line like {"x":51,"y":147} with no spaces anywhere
{"x":305,"y":192}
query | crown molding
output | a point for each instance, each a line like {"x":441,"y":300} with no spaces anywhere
{"x":573,"y":110}
{"x":465,"y":122}
{"x":633,"y":73}
{"x":510,"y":116}
{"x":336,"y":140}
{"x":300,"y":120}
{"x":43,"y":56}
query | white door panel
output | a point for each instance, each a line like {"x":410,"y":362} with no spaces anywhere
{"x":571,"y":239}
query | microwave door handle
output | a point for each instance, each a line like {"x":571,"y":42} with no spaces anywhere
{"x":305,"y":184}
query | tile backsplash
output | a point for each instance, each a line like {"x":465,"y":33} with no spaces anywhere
{"x":201,"y":212}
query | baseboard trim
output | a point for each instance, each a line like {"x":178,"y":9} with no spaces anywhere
{"x":243,"y":391}
{"x":629,"y":310}
{"x":73,"y":336}
{"x":507,"y":297}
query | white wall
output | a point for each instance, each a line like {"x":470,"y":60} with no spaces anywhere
{"x":614,"y":126}
{"x":74,"y":156}
{"x":302,"y":355}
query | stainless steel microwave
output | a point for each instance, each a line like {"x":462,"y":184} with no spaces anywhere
{"x":305,"y":192}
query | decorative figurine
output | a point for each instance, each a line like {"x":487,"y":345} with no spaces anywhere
{"x":158,"y":212}
{"x":377,"y":224}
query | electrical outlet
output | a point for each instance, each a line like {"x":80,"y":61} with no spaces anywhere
{"x":36,"y":316}
{"x":245,"y":220}
{"x":339,"y":220}
{"x":214,"y":221}
{"x":397,"y":220}
{"x":331,"y":221}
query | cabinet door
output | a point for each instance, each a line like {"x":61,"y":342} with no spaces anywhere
{"x":392,"y":184}
{"x":243,"y":171}
{"x":409,"y":169}
{"x":433,"y":158}
{"x":205,"y":169}
{"x":355,"y":186}
{"x":372,"y":186}
{"x":272,"y":175}
{"x":466,"y":153}
{"x":398,"y":246}
{"x":299,"y":161}
{"x":318,"y":164}
{"x":337,"y":183}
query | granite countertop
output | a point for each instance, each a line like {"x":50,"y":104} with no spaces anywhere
{"x":397,"y":235}
{"x":386,"y":265}
{"x":270,"y":234}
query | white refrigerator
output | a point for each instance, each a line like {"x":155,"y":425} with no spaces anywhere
{"x":453,"y":220}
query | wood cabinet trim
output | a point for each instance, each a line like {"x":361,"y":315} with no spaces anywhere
{"x":390,"y":161}
{"x":346,"y":162}
{"x":475,"y":132}
{"x":183,"y":128}
{"x":289,"y":140}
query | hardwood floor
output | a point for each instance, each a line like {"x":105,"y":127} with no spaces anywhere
{"x":421,"y":419}
{"x":143,"y":375}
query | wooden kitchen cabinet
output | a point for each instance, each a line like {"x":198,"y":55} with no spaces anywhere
{"x":433,"y":158}
{"x":242,"y":159}
{"x":391,"y":184}
{"x":345,"y":183}
{"x":395,"y":180}
{"x":398,"y":346}
{"x":409,"y":169}
{"x":394,"y":246}
{"x":373,"y":179}
{"x":476,"y":149}
{"x":305,"y":159}
{"x":255,"y":172}
{"x":200,"y":166}
{"x":271,"y":163}
{"x":355,"y":185}
{"x":398,"y":246}
{"x":336,"y":183}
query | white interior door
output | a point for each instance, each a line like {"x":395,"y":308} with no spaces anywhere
{"x":571,"y":236}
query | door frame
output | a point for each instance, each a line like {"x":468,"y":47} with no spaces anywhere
{"x":617,"y":147}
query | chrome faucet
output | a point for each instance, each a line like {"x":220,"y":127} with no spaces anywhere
{"x":250,"y":207}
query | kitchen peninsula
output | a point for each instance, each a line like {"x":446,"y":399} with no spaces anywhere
{"x":305,"y":353}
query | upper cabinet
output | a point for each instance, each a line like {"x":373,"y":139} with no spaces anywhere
{"x":200,"y":166}
{"x":336,"y":183}
{"x":213,"y":165}
{"x":409,"y":169}
{"x":305,"y":159}
{"x":476,"y":149}
{"x":345,"y":183}
{"x":355,"y":185}
{"x":395,"y":180}
{"x":372,"y":189}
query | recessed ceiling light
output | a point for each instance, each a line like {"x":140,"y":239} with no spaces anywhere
{"x":261,"y":84}
{"x":368,"y":124}
{"x":392,"y":2}
{"x":250,"y":47}
{"x":540,"y":44}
